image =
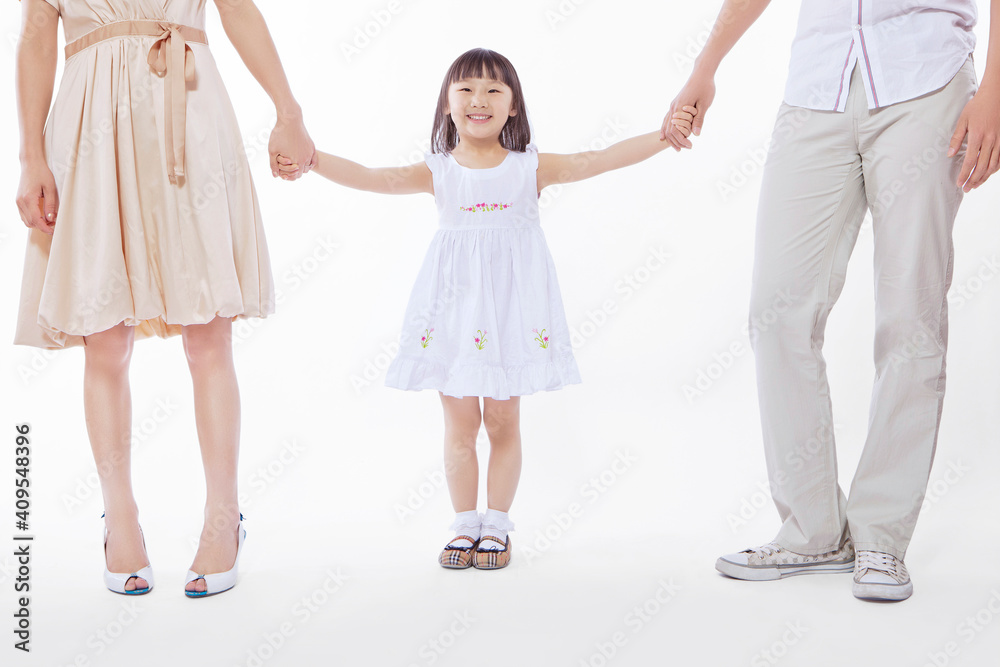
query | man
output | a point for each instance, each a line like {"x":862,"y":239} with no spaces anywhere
{"x":880,"y":99}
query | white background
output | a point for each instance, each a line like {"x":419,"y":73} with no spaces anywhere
{"x":328,"y":461}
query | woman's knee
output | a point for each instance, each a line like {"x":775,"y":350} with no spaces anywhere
{"x":208,"y":344}
{"x":109,"y":350}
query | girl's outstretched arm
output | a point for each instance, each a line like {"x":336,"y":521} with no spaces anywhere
{"x":554,"y":168}
{"x":248,"y":32}
{"x":407,"y":180}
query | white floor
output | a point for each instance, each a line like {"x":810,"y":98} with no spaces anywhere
{"x":632,"y":485}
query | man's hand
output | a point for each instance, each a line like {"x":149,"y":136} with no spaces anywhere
{"x":980,"y":121}
{"x":697,"y":93}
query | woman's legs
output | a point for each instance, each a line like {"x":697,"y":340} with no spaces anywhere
{"x":107,"y":403}
{"x":209,"y":352}
{"x":461,"y":428}
{"x":503,"y":426}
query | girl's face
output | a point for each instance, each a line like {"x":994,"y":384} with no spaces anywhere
{"x":480,"y":107}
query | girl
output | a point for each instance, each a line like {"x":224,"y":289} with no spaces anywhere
{"x":136,"y":232}
{"x":485,"y":318}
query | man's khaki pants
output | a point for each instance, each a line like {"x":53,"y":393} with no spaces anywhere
{"x":824,"y":170}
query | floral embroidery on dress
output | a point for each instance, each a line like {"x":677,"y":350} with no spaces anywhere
{"x":480,"y":338}
{"x":543,"y":340}
{"x":426,"y":338}
{"x":484,"y":208}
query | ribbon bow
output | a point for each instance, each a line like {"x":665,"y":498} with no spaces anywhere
{"x":171,"y":57}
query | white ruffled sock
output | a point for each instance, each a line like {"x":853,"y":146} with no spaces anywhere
{"x":466,"y":523}
{"x":495,"y":524}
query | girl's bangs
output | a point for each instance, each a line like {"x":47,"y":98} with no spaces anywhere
{"x":479,"y":63}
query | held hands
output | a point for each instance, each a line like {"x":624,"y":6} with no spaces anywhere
{"x":288,"y":169}
{"x":37,"y":200}
{"x":697,"y":94}
{"x":980,"y":120}
{"x":290,"y":140}
{"x":680,"y":122}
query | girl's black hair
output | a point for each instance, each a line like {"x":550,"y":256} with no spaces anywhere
{"x":470,"y":65}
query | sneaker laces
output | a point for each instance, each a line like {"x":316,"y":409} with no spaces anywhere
{"x":765,"y":550}
{"x":877,"y":561}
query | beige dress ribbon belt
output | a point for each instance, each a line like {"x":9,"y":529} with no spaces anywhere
{"x":169,"y":57}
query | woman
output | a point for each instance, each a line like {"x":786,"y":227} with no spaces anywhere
{"x":144,"y":221}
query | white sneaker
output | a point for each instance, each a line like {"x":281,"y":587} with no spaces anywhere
{"x":772,"y":561}
{"x":881,"y":576}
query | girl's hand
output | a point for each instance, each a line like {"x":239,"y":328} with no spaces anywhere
{"x":286,"y":166}
{"x":290,"y":139}
{"x":682,"y":121}
{"x":37,"y":200}
{"x":698,"y":92}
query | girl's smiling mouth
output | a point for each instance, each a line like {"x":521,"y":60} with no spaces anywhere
{"x":478,"y":118}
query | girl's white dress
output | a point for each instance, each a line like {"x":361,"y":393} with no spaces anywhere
{"x":485,"y":317}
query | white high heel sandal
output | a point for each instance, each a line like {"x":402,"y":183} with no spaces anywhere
{"x":116,"y":581}
{"x":222,"y":581}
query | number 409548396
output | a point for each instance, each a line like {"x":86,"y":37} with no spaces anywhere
{"x":22,"y":464}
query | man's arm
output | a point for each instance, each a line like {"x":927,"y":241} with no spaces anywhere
{"x":735,"y":18}
{"x":980,"y":120}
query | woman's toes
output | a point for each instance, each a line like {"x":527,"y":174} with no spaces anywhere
{"x":136,"y":584}
{"x":196,"y":586}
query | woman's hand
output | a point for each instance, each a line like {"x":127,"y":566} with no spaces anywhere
{"x":37,"y":200}
{"x":290,"y":138}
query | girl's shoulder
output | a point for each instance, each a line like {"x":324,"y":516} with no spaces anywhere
{"x":436,"y":162}
{"x":531,"y":155}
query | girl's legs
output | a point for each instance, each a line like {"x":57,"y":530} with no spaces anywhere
{"x":503,"y":426}
{"x":461,"y":428}
{"x":107,"y":403}
{"x":209,"y":352}
{"x":502,"y":420}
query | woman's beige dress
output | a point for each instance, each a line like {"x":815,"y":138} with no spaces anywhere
{"x":132,"y":244}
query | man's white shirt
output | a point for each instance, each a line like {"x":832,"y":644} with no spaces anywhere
{"x":904,"y":49}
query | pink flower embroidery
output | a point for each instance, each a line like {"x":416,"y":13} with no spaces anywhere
{"x":480,"y":338}
{"x":543,"y":340}
{"x":426,"y":338}
{"x":483,"y":207}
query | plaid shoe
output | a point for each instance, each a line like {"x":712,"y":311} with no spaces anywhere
{"x":881,"y":576}
{"x":455,"y":557}
{"x":492,"y":559}
{"x":772,"y":561}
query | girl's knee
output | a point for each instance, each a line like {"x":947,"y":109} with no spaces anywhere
{"x":501,"y":418}
{"x":464,"y":429}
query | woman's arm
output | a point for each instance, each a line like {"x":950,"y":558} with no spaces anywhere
{"x":246,"y":29}
{"x":578,"y":166}
{"x":34,"y":79}
{"x":407,"y":180}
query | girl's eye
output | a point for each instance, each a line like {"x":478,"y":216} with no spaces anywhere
{"x":494,"y":90}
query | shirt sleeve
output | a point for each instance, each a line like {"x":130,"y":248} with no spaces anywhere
{"x":435,"y":161}
{"x":531,"y":155}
